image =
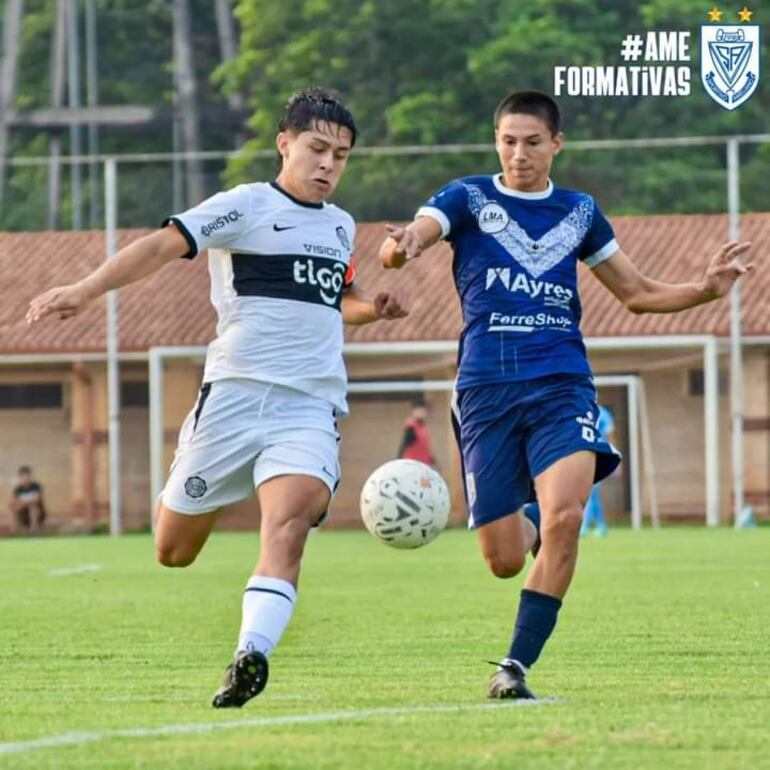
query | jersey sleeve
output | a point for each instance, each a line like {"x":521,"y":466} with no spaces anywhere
{"x":215,"y":222}
{"x":599,"y":244}
{"x":347,"y":236}
{"x":448,"y":207}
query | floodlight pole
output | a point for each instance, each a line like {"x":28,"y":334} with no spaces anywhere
{"x":113,"y":373}
{"x":736,"y":358}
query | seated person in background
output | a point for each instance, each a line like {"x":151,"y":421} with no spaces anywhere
{"x":27,"y":503}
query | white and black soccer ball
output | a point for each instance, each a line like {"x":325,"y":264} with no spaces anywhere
{"x":405,"y":503}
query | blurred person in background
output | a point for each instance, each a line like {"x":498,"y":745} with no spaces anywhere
{"x":416,"y":442}
{"x":26,"y":503}
{"x":593,"y":515}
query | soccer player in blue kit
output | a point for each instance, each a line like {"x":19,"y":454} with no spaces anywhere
{"x":525,"y":408}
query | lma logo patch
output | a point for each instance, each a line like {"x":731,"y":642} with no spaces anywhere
{"x":729,"y":63}
{"x":492,"y":218}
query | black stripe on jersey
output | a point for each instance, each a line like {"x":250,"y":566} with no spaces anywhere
{"x":306,"y":204}
{"x":204,"y":394}
{"x":318,"y":280}
{"x":187,"y":236}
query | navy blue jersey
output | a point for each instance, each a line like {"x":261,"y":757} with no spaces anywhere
{"x":515,"y":269}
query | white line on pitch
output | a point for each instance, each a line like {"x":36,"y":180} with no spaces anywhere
{"x":78,"y":739}
{"x":79,"y":570}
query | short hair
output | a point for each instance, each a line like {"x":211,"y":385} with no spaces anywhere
{"x":531,"y":103}
{"x":24,"y":469}
{"x":307,"y":107}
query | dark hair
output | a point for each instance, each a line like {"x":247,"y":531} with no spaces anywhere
{"x":531,"y":103}
{"x":24,"y":469}
{"x":307,"y":107}
{"x":419,"y":402}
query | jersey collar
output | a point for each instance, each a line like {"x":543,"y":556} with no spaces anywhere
{"x":306,"y":204}
{"x":530,"y":196}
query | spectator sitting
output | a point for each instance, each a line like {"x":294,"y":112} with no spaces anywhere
{"x":27,"y":503}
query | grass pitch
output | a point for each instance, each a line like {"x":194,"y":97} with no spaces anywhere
{"x":659,"y":660}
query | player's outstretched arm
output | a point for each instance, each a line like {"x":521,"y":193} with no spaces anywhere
{"x":408,"y":242}
{"x":358,"y":308}
{"x":131,"y":263}
{"x":641,"y":294}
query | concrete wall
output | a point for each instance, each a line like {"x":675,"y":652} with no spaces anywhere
{"x":67,"y":447}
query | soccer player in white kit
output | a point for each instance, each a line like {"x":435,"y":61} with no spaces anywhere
{"x":281,"y":266}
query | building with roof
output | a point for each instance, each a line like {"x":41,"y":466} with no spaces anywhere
{"x":53,"y":413}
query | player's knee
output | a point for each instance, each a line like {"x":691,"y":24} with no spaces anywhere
{"x":173,"y":556}
{"x":561,"y":527}
{"x":287,"y":540}
{"x":505,"y":565}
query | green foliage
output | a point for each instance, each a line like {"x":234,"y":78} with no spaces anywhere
{"x":413,"y":72}
{"x":417,"y":72}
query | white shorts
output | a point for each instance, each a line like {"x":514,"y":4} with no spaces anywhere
{"x":242,"y":433}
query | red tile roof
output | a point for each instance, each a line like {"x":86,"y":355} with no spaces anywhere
{"x":171,"y":307}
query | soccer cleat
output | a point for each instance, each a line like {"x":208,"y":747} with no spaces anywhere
{"x":532,"y":512}
{"x":246,"y":677}
{"x":508,"y":682}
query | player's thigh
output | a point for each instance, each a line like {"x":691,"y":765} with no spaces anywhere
{"x":218,"y":445}
{"x":310,"y":457}
{"x":179,"y":537}
{"x":496,"y":476}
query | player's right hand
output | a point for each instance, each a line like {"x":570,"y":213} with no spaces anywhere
{"x":63,"y":301}
{"x":408,"y":245}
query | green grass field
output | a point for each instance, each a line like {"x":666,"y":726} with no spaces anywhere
{"x":660,"y":658}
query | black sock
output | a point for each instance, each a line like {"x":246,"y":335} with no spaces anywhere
{"x":534,"y":624}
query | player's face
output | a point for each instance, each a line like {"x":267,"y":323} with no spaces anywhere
{"x":313,"y":160}
{"x":526,"y":149}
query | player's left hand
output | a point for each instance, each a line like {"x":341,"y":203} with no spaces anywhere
{"x":725,"y":268}
{"x":389,"y":305}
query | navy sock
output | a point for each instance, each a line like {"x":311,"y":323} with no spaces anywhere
{"x":534,"y":624}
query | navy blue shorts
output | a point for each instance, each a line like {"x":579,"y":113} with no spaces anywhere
{"x":510,"y":432}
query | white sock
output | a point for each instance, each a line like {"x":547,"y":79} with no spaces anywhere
{"x":268,"y":604}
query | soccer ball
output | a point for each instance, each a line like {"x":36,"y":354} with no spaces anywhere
{"x":405,"y":503}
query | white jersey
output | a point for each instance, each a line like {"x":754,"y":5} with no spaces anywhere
{"x":278,"y":268}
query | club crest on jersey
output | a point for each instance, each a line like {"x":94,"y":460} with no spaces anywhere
{"x":343,"y":238}
{"x":729,"y":63}
{"x":195,"y":487}
{"x":492,"y":218}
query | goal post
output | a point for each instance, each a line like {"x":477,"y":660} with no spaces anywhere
{"x":639,"y":461}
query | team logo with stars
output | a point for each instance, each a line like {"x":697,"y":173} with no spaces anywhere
{"x":729,"y":58}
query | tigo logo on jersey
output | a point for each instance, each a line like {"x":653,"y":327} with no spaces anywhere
{"x":330,"y":280}
{"x":492,"y":218}
{"x":220,"y":222}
